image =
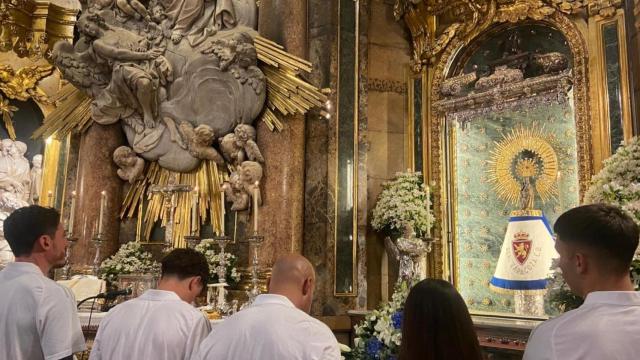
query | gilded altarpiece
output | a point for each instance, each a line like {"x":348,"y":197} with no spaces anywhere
{"x":457,"y":44}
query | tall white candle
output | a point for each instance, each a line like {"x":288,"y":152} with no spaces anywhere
{"x":222,"y":212}
{"x":72,"y":213}
{"x":428,"y":211}
{"x":256,"y":194}
{"x":103,"y":204}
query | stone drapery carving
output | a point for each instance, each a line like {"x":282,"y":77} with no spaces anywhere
{"x":15,"y":186}
{"x":177,"y":73}
{"x":36,"y":179}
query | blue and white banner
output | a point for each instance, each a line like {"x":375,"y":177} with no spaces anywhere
{"x":526,"y":255}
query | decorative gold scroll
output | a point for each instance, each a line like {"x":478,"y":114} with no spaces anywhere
{"x":207,"y":178}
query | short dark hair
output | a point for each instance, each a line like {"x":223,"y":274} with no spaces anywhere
{"x":602,"y":227}
{"x":436,"y":324}
{"x":184,"y":263}
{"x":23,"y":227}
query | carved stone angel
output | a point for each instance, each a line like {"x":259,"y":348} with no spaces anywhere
{"x":239,"y":190}
{"x":199,"y":141}
{"x":131,"y":166}
{"x":241,"y":145}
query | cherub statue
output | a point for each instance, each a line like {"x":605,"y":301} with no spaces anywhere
{"x":199,"y":141}
{"x":131,"y":166}
{"x":241,"y":145}
{"x":240,"y":188}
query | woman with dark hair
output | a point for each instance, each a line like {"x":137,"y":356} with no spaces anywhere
{"x":436,"y":324}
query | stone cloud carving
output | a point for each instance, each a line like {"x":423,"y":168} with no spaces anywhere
{"x":175,"y":74}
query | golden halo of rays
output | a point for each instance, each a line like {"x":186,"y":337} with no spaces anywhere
{"x":536,"y":140}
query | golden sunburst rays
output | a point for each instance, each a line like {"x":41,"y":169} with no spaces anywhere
{"x":207,"y":178}
{"x":524,"y":152}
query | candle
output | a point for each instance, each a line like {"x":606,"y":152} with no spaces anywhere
{"x":194,"y":211}
{"x":428,"y":211}
{"x":103,"y":204}
{"x":256,"y":194}
{"x":222,"y":212}
{"x":50,"y":198}
{"x":72,"y":213}
{"x":139,"y":223}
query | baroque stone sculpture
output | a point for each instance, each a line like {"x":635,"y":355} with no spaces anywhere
{"x":131,"y":166}
{"x":239,"y":190}
{"x":15,"y":187}
{"x":240,"y":145}
{"x":190,"y":62}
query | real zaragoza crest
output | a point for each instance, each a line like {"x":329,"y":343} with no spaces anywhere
{"x":521,"y":247}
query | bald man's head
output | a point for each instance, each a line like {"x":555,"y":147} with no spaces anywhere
{"x":293,"y":276}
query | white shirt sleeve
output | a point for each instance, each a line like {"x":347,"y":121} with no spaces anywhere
{"x":58,"y":324}
{"x":200,"y":330}
{"x":540,"y":344}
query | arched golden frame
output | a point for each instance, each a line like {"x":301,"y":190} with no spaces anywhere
{"x":435,"y":142}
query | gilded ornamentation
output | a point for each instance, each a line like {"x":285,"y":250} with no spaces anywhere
{"x":7,"y":116}
{"x":30,"y":28}
{"x":455,"y":85}
{"x":540,"y":164}
{"x":551,"y":62}
{"x":502,"y":75}
{"x":486,"y":301}
{"x":23,"y":83}
{"x":524,"y":9}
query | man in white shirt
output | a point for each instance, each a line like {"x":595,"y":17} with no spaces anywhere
{"x":596,"y":244}
{"x":160,"y":324}
{"x":277,"y":325}
{"x":38,"y":318}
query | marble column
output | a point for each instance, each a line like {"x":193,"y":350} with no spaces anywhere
{"x":97,"y":173}
{"x":282,"y":213}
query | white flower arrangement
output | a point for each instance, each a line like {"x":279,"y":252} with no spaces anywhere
{"x":131,"y":258}
{"x":379,"y":336}
{"x":405,"y":199}
{"x":208,"y":248}
{"x":618,"y":183}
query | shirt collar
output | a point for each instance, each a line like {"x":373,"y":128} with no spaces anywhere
{"x":159,"y":295}
{"x":613,"y":297}
{"x":24,"y":267}
{"x":263,"y":299}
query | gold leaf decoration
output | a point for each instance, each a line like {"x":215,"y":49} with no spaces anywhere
{"x":506,"y":163}
{"x":207,"y":178}
{"x":7,"y":115}
{"x":22,"y":84}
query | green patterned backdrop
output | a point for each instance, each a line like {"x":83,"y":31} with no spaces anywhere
{"x":481,"y":217}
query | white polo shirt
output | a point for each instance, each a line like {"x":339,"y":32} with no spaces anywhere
{"x":606,"y":326}
{"x":38,"y":318}
{"x":157,"y":325}
{"x":271,"y":328}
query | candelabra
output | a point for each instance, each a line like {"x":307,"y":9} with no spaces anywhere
{"x":98,"y":240}
{"x":66,"y":269}
{"x":221,"y":304}
{"x":192,"y":241}
{"x":255,"y":240}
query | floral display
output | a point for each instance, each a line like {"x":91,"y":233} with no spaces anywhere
{"x":131,"y":258}
{"x":618,"y":183}
{"x":380,"y":334}
{"x":403,"y":200}
{"x":212,"y":253}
